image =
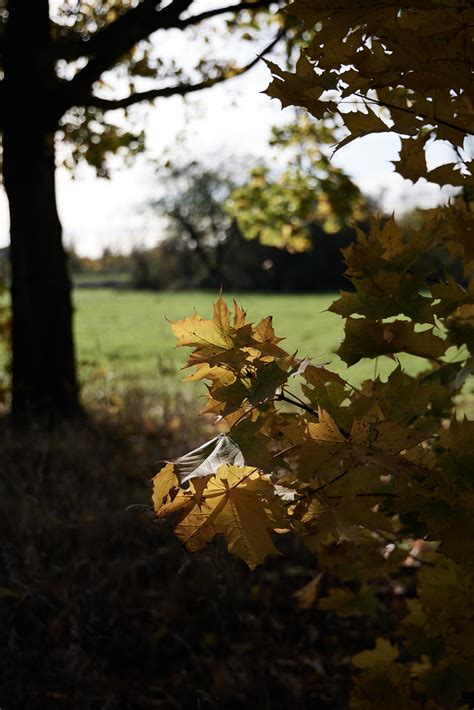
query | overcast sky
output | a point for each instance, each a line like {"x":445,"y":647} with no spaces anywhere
{"x":231,"y":119}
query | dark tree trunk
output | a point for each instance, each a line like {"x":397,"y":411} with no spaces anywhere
{"x":44,"y":374}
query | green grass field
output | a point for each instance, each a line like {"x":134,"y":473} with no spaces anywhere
{"x":124,"y":339}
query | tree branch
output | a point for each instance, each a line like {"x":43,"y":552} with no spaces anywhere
{"x":131,"y":27}
{"x":142,"y":21}
{"x":118,"y":38}
{"x":176,"y":89}
{"x":235,"y":9}
{"x":284,"y":398}
{"x":196,"y":237}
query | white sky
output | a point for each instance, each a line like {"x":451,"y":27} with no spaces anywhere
{"x":231,"y":119}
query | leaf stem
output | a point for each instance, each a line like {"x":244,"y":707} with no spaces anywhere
{"x":282,"y":397}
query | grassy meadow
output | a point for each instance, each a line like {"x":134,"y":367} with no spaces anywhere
{"x":124,"y":336}
{"x":124,"y":339}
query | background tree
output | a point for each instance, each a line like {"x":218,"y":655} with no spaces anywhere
{"x":282,"y":203}
{"x":214,"y":215}
{"x":194,"y":203}
{"x":53,"y":58}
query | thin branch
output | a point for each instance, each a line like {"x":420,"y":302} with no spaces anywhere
{"x":298,"y":403}
{"x":284,"y":398}
{"x":329,"y":483}
{"x":424,"y":116}
{"x":177,"y":89}
{"x":196,"y":19}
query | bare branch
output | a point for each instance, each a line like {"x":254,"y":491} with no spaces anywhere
{"x":177,"y":89}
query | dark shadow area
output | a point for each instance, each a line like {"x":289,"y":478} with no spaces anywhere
{"x":103,"y":608}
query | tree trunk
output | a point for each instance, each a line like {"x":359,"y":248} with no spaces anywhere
{"x":43,"y":373}
{"x":44,"y":381}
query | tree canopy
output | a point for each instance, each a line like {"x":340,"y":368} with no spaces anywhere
{"x":109,"y":55}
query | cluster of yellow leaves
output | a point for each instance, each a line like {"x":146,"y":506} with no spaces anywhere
{"x":243,"y":362}
{"x":389,"y":67}
{"x":323,"y":479}
{"x":236,"y":502}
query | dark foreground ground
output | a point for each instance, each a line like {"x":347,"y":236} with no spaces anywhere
{"x":101,"y":608}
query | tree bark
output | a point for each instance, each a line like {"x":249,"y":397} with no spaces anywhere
{"x":44,"y":383}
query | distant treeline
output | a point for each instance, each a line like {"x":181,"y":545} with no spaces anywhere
{"x":238,"y":264}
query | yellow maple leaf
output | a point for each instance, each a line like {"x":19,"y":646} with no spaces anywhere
{"x":164,"y":481}
{"x":324,"y":448}
{"x":240,"y":504}
{"x":204,"y":371}
{"x":307,"y":596}
{"x":198,"y":332}
{"x":325,"y":429}
{"x":240,"y":316}
{"x":318,"y":376}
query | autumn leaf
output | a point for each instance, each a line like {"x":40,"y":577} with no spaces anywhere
{"x":164,"y":481}
{"x":239,"y":504}
{"x":384,"y":654}
{"x":373,"y":432}
{"x":308,"y":596}
{"x":323,"y":449}
{"x":384,"y":295}
{"x":448,"y":175}
{"x":318,"y":376}
{"x":198,"y":332}
{"x":360,"y":124}
{"x":412,"y":162}
{"x":364,"y":338}
{"x":461,"y":326}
